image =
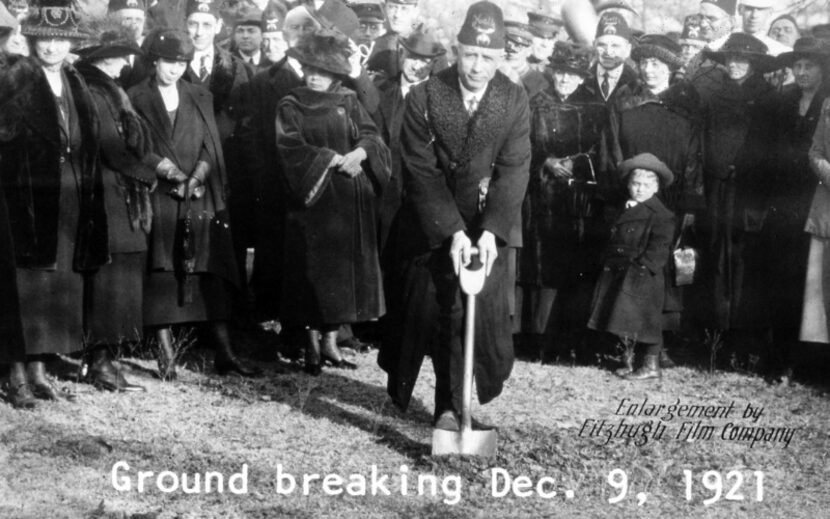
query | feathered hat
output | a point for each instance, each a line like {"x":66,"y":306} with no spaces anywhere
{"x":109,"y":39}
{"x":325,"y":49}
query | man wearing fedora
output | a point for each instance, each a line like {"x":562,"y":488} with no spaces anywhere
{"x":466,"y":153}
{"x":418,"y":52}
{"x":403,"y":19}
{"x":613,"y":47}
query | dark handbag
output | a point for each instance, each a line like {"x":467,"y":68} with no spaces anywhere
{"x":685,"y":259}
{"x":185,"y":253}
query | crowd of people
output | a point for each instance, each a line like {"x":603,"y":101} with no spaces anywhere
{"x":646,"y":186}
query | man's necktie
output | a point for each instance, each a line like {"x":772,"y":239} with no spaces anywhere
{"x":203,"y":70}
{"x":472,"y":105}
{"x":605,"y":87}
{"x":630,"y":204}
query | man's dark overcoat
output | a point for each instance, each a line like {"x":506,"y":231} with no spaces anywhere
{"x":258,"y":146}
{"x":331,"y":270}
{"x":462,"y":173}
{"x":389,"y":119}
{"x":628,"y":77}
{"x":628,"y":300}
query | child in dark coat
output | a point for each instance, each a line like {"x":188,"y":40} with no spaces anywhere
{"x":628,"y":299}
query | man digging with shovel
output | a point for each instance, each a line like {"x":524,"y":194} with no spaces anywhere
{"x":466,"y":154}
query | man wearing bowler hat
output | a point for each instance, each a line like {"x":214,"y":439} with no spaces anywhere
{"x":466,"y":153}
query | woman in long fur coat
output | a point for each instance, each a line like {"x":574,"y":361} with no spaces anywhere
{"x":52,"y":182}
{"x":334,"y":165}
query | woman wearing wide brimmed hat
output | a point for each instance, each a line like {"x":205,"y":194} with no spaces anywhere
{"x":50,"y":174}
{"x":192,"y":270}
{"x":562,"y":213}
{"x":745,"y":123}
{"x":334,"y":165}
{"x":114,"y":294}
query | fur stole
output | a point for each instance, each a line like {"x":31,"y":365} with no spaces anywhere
{"x":18,"y":74}
{"x":462,"y":136}
{"x":131,"y":126}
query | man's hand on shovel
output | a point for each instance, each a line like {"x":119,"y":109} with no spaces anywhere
{"x":487,"y":251}
{"x":461,"y":251}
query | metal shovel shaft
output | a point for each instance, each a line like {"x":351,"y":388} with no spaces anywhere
{"x":469,"y":345}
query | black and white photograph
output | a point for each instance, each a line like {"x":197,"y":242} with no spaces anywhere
{"x":438,"y":259}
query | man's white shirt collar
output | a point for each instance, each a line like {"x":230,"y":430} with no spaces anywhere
{"x":196,"y":63}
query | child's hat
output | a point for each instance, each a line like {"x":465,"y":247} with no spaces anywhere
{"x":648,"y":162}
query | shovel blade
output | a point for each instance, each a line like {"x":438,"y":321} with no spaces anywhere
{"x":473,"y":443}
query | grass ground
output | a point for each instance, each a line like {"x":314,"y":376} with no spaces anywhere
{"x":57,"y":461}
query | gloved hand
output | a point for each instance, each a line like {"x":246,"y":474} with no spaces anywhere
{"x":559,"y":168}
{"x":167,"y":170}
{"x":197,"y":190}
{"x":351,"y":162}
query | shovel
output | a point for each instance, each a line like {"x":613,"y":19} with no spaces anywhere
{"x":467,"y":441}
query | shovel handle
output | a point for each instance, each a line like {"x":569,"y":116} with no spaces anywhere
{"x":469,"y":350}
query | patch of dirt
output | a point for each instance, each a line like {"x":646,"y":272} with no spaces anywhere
{"x":57,"y":461}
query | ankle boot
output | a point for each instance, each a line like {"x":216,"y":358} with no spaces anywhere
{"x":666,"y":362}
{"x":166,"y":356}
{"x":331,"y":353}
{"x":226,"y":361}
{"x":313,"y":362}
{"x":650,"y":369}
{"x":628,"y":363}
{"x":42,"y":388}
{"x":19,"y":391}
{"x":105,"y":376}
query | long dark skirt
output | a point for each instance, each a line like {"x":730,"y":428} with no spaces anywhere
{"x":51,"y":301}
{"x":113,"y":299}
{"x":211,"y":300}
